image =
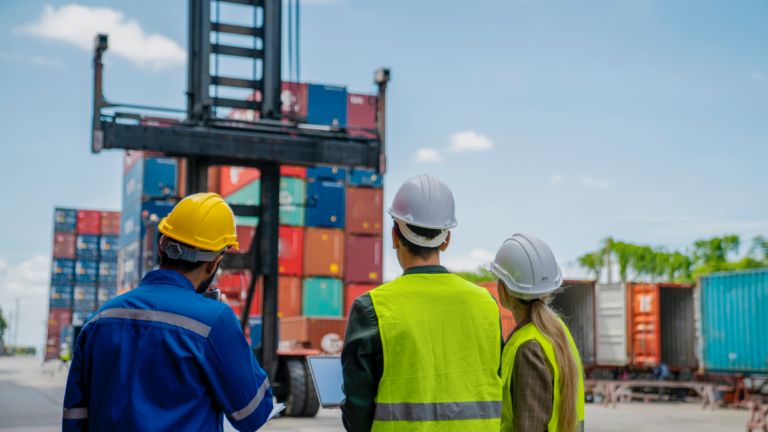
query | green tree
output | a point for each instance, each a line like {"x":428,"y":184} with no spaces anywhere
{"x":479,"y":275}
{"x":3,"y":324}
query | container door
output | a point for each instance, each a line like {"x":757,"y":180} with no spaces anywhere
{"x":576,"y":303}
{"x":645,"y":320}
{"x":677,"y":327}
{"x":611,"y":324}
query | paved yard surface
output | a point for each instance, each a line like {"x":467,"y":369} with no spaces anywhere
{"x":31,"y":398}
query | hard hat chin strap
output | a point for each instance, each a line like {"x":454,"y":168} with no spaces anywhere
{"x":419,"y":240}
{"x":176,"y":251}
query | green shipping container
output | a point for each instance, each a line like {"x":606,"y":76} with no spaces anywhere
{"x":249,"y":194}
{"x":251,"y":221}
{"x":292,"y":191}
{"x":322,"y":297}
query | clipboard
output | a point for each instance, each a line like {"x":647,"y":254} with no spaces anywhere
{"x":327,"y":377}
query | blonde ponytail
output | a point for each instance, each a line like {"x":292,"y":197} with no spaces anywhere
{"x":552,"y":328}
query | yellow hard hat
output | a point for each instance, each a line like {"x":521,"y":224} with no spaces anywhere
{"x":204,"y":221}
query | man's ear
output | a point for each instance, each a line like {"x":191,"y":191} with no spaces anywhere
{"x":444,"y":246}
{"x":213,"y":265}
{"x":395,"y":240}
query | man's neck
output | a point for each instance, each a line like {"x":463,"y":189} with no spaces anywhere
{"x":414,"y":261}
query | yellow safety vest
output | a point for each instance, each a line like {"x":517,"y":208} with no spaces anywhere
{"x":525,"y":334}
{"x":442,"y":344}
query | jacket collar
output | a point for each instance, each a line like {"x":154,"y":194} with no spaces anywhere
{"x":427,"y":269}
{"x":167,"y":277}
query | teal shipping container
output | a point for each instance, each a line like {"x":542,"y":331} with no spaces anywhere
{"x":292,"y":191}
{"x":734,"y":322}
{"x":322,"y":297}
{"x":249,"y":194}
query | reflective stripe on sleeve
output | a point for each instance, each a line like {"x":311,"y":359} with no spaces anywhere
{"x":251,"y":407}
{"x":156,"y":316}
{"x":437,"y":411}
{"x":76,"y":413}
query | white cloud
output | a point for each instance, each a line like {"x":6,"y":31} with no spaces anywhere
{"x":79,"y":25}
{"x":37,"y":60}
{"x":466,"y":262}
{"x":427,"y":155}
{"x":600,"y":184}
{"x":758,"y":76}
{"x":469,"y":141}
{"x":30,"y":282}
{"x":556,"y":178}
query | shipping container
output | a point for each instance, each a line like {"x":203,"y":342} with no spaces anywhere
{"x":61,"y":296}
{"x":325,"y":204}
{"x":290,"y":251}
{"x":151,"y":178}
{"x":576,"y":304}
{"x":214,"y":178}
{"x":364,"y":260}
{"x":52,"y":344}
{"x":322,"y":297}
{"x":88,"y":247}
{"x":353,"y":291}
{"x":293,"y":98}
{"x":129,"y":267}
{"x":507,"y":319}
{"x":365,"y":211}
{"x":64,"y":220}
{"x":323,"y":252}
{"x":88,"y":222}
{"x":130,"y":158}
{"x":327,"y":173}
{"x":293,"y":171}
{"x":84,"y":298}
{"x":63,"y":270}
{"x":661,"y":325}
{"x":64,"y":245}
{"x":87,"y":271}
{"x":234,"y":178}
{"x":132,"y":220}
{"x":364,"y":177}
{"x":611,"y":324}
{"x":67,"y":335}
{"x":251,"y":221}
{"x":361,"y":115}
{"x":110,"y":223}
{"x":108,"y":272}
{"x":59,"y":317}
{"x":288,"y":297}
{"x":292,"y":192}
{"x":249,"y":194}
{"x":108,"y":245}
{"x":734,"y":323}
{"x":105,"y":294}
{"x":325,"y":334}
{"x":327,"y":105}
{"x":80,"y":318}
{"x":245,"y":236}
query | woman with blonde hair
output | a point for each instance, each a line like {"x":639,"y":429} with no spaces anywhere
{"x":541,"y":368}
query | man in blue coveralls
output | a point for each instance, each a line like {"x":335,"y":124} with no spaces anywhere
{"x":162,"y":357}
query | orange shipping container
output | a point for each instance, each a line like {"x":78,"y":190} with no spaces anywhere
{"x":288,"y":296}
{"x":214,"y":179}
{"x":365,"y":210}
{"x":324,"y":252}
{"x":351,"y":292}
{"x":325,"y":334}
{"x":234,"y":178}
{"x":507,"y":319}
{"x":110,"y":223}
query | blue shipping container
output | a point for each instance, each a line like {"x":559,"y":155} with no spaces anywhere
{"x":63,"y":270}
{"x":325,"y":204}
{"x":87,"y":247}
{"x":363,"y":177}
{"x":108,"y":246}
{"x":79,"y":318}
{"x":105,"y":294}
{"x":254,"y":322}
{"x":129,"y":266}
{"x":84,"y":298}
{"x":152,"y":177}
{"x":734,"y":327}
{"x":327,"y":173}
{"x":67,"y":335}
{"x":108,"y":272}
{"x":327,"y":105}
{"x":61,"y":296}
{"x":86,"y":271}
{"x":64,"y":220}
{"x":131,"y":223}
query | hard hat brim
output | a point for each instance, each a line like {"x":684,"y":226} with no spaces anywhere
{"x":405,"y":219}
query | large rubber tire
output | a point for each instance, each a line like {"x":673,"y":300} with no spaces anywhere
{"x":312,"y":402}
{"x":296,"y":396}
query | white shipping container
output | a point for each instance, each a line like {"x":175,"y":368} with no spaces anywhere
{"x":611,"y":324}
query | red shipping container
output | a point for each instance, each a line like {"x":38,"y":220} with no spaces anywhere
{"x":293,"y":171}
{"x":325,"y":334}
{"x":288,"y":296}
{"x":361,"y":112}
{"x":64,"y":245}
{"x":293,"y":98}
{"x":110,"y":223}
{"x":245,"y":235}
{"x":234,"y":178}
{"x":364,"y":260}
{"x":290,"y":254}
{"x":507,"y":319}
{"x":88,"y":222}
{"x":365,"y":211}
{"x":324,"y":252}
{"x":353,"y":291}
{"x":214,"y":179}
{"x":233,"y":282}
{"x":59,"y":317}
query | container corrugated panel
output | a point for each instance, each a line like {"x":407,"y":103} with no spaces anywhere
{"x":322,"y":297}
{"x":110,"y":223}
{"x":611,"y":324}
{"x":364,"y":177}
{"x":86,"y":271}
{"x":63,"y":270}
{"x":643,"y":321}
{"x":131,"y":157}
{"x":734,"y":321}
{"x":88,"y":247}
{"x":327,"y":105}
{"x":108,"y":272}
{"x":151,"y":178}
{"x":249,"y":194}
{"x":290,"y":253}
{"x":677,"y":330}
{"x":79,"y":318}
{"x":507,"y":319}
{"x":59,"y":317}
{"x":575,"y":302}
{"x":293,"y":171}
{"x":64,"y":220}
{"x":288,"y":296}
{"x":353,"y":291}
{"x":364,"y":260}
{"x":245,"y":236}
{"x":292,"y":191}
{"x":361,"y":112}
{"x":64,"y":245}
{"x":132,"y":224}
{"x":233,"y":178}
{"x":84,"y":298}
{"x":233,"y":282}
{"x":108,"y":245}
{"x":325,"y":334}
{"x":129,"y":267}
{"x":365,"y":211}
{"x":105,"y":294}
{"x":327,"y":173}
{"x":325,"y":204}
{"x":88,"y":222}
{"x":323,"y":252}
{"x":293,"y":98}
{"x":61,"y":296}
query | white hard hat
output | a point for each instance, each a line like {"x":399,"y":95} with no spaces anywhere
{"x":64,"y":345}
{"x":527,"y":267}
{"x":426,"y":202}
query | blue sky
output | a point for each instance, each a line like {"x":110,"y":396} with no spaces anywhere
{"x":643,"y":120}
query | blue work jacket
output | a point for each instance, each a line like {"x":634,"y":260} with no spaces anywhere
{"x":163,"y":358}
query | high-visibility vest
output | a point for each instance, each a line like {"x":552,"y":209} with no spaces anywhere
{"x":525,"y":334}
{"x":442,"y":347}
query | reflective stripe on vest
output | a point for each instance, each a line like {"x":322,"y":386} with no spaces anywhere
{"x":525,"y":334}
{"x":442,"y":345}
